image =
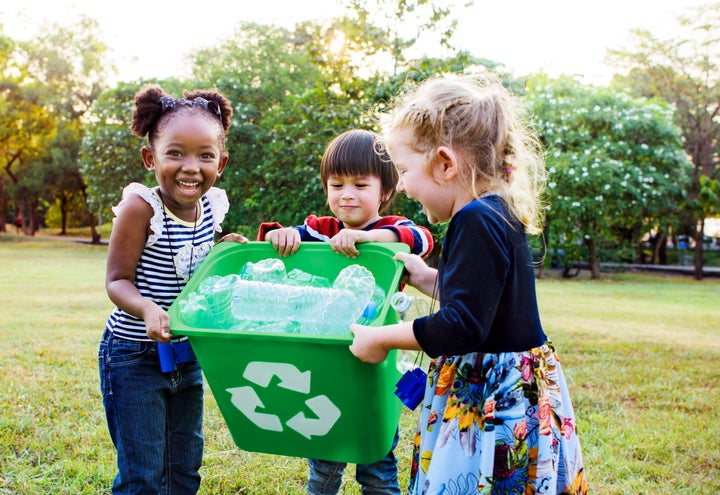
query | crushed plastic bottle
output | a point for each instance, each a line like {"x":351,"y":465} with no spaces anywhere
{"x":352,"y":290}
{"x":266,"y":301}
{"x":210,"y":306}
{"x":264,"y":298}
{"x":409,"y":307}
{"x":219,"y":297}
{"x":299,"y":277}
{"x":267,"y":270}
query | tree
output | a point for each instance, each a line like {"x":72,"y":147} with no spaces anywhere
{"x":616,"y":168}
{"x":26,"y":125}
{"x":684,"y":70}
{"x":63,"y":71}
{"x":265,"y":71}
{"x":401,"y":24}
{"x":292,"y":90}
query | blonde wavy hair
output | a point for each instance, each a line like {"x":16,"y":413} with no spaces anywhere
{"x":482,"y":122}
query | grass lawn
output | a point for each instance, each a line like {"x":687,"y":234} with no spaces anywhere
{"x":641,"y":352}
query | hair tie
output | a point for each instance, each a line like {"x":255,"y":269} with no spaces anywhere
{"x":168,"y":103}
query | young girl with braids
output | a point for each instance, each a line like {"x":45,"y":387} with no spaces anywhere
{"x":496,"y":417}
{"x":159,"y":237}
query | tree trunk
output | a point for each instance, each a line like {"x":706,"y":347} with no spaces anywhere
{"x":34,"y":217}
{"x":24,"y":219}
{"x":661,"y":250}
{"x":63,"y":215}
{"x":592,"y":259}
{"x":91,"y":219}
{"x":640,"y":253}
{"x":698,"y":262}
{"x":3,"y":207}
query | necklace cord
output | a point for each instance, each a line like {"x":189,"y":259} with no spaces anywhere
{"x":170,"y":243}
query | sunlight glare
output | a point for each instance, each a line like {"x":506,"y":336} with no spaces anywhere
{"x":337,"y":43}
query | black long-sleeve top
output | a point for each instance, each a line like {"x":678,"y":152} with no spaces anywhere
{"x":486,"y":286}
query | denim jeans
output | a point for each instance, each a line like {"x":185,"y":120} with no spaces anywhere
{"x":378,"y":478}
{"x":154,"y":418}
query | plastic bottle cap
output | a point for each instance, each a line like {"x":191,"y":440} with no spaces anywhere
{"x":369,"y":311}
{"x":400,"y":302}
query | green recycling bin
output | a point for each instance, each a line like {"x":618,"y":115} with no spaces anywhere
{"x":294,"y":394}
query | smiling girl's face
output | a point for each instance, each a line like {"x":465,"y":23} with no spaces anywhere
{"x":187,"y":157}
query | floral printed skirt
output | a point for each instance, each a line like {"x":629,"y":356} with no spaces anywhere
{"x":497,"y":424}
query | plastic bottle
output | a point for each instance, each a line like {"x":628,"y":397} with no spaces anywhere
{"x":411,"y":386}
{"x":219,"y":296}
{"x":266,"y":299}
{"x":409,"y":307}
{"x":267,"y":270}
{"x":317,"y":310}
{"x":353,"y":290}
{"x":210,"y":306}
{"x":299,"y":277}
{"x":193,"y":309}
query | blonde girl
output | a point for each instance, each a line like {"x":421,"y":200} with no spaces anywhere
{"x":496,"y":417}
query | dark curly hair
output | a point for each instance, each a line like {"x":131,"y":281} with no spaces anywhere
{"x":149,"y":111}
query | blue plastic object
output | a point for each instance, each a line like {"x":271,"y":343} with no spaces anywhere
{"x":173,"y":354}
{"x":370,"y":312}
{"x":411,"y":387}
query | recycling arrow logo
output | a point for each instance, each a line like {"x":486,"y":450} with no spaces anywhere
{"x":247,"y":401}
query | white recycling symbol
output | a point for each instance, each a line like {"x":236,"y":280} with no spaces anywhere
{"x":246,"y":400}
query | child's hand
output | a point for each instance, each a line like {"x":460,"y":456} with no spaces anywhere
{"x":345,"y":240}
{"x":285,"y":240}
{"x":157,"y":323}
{"x":366,"y":346}
{"x":234,"y":238}
{"x":417,"y":273}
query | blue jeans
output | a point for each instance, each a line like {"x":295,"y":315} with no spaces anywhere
{"x":378,"y":478}
{"x":154,"y":418}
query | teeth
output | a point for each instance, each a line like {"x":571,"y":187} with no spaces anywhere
{"x":188,"y":184}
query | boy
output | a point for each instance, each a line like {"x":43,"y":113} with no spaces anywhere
{"x":359,"y":181}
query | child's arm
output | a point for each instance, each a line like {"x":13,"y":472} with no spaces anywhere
{"x":388,"y":229}
{"x":372,"y":344}
{"x":233,"y":237}
{"x":344,"y":241}
{"x":127,"y":242}
{"x":417,"y":237}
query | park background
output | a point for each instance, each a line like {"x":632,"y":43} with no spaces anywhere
{"x":632,"y":163}
{"x":632,"y":180}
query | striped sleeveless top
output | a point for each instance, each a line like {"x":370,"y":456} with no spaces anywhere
{"x":165,"y":264}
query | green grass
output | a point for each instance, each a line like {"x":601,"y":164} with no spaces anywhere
{"x":641,"y":353}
